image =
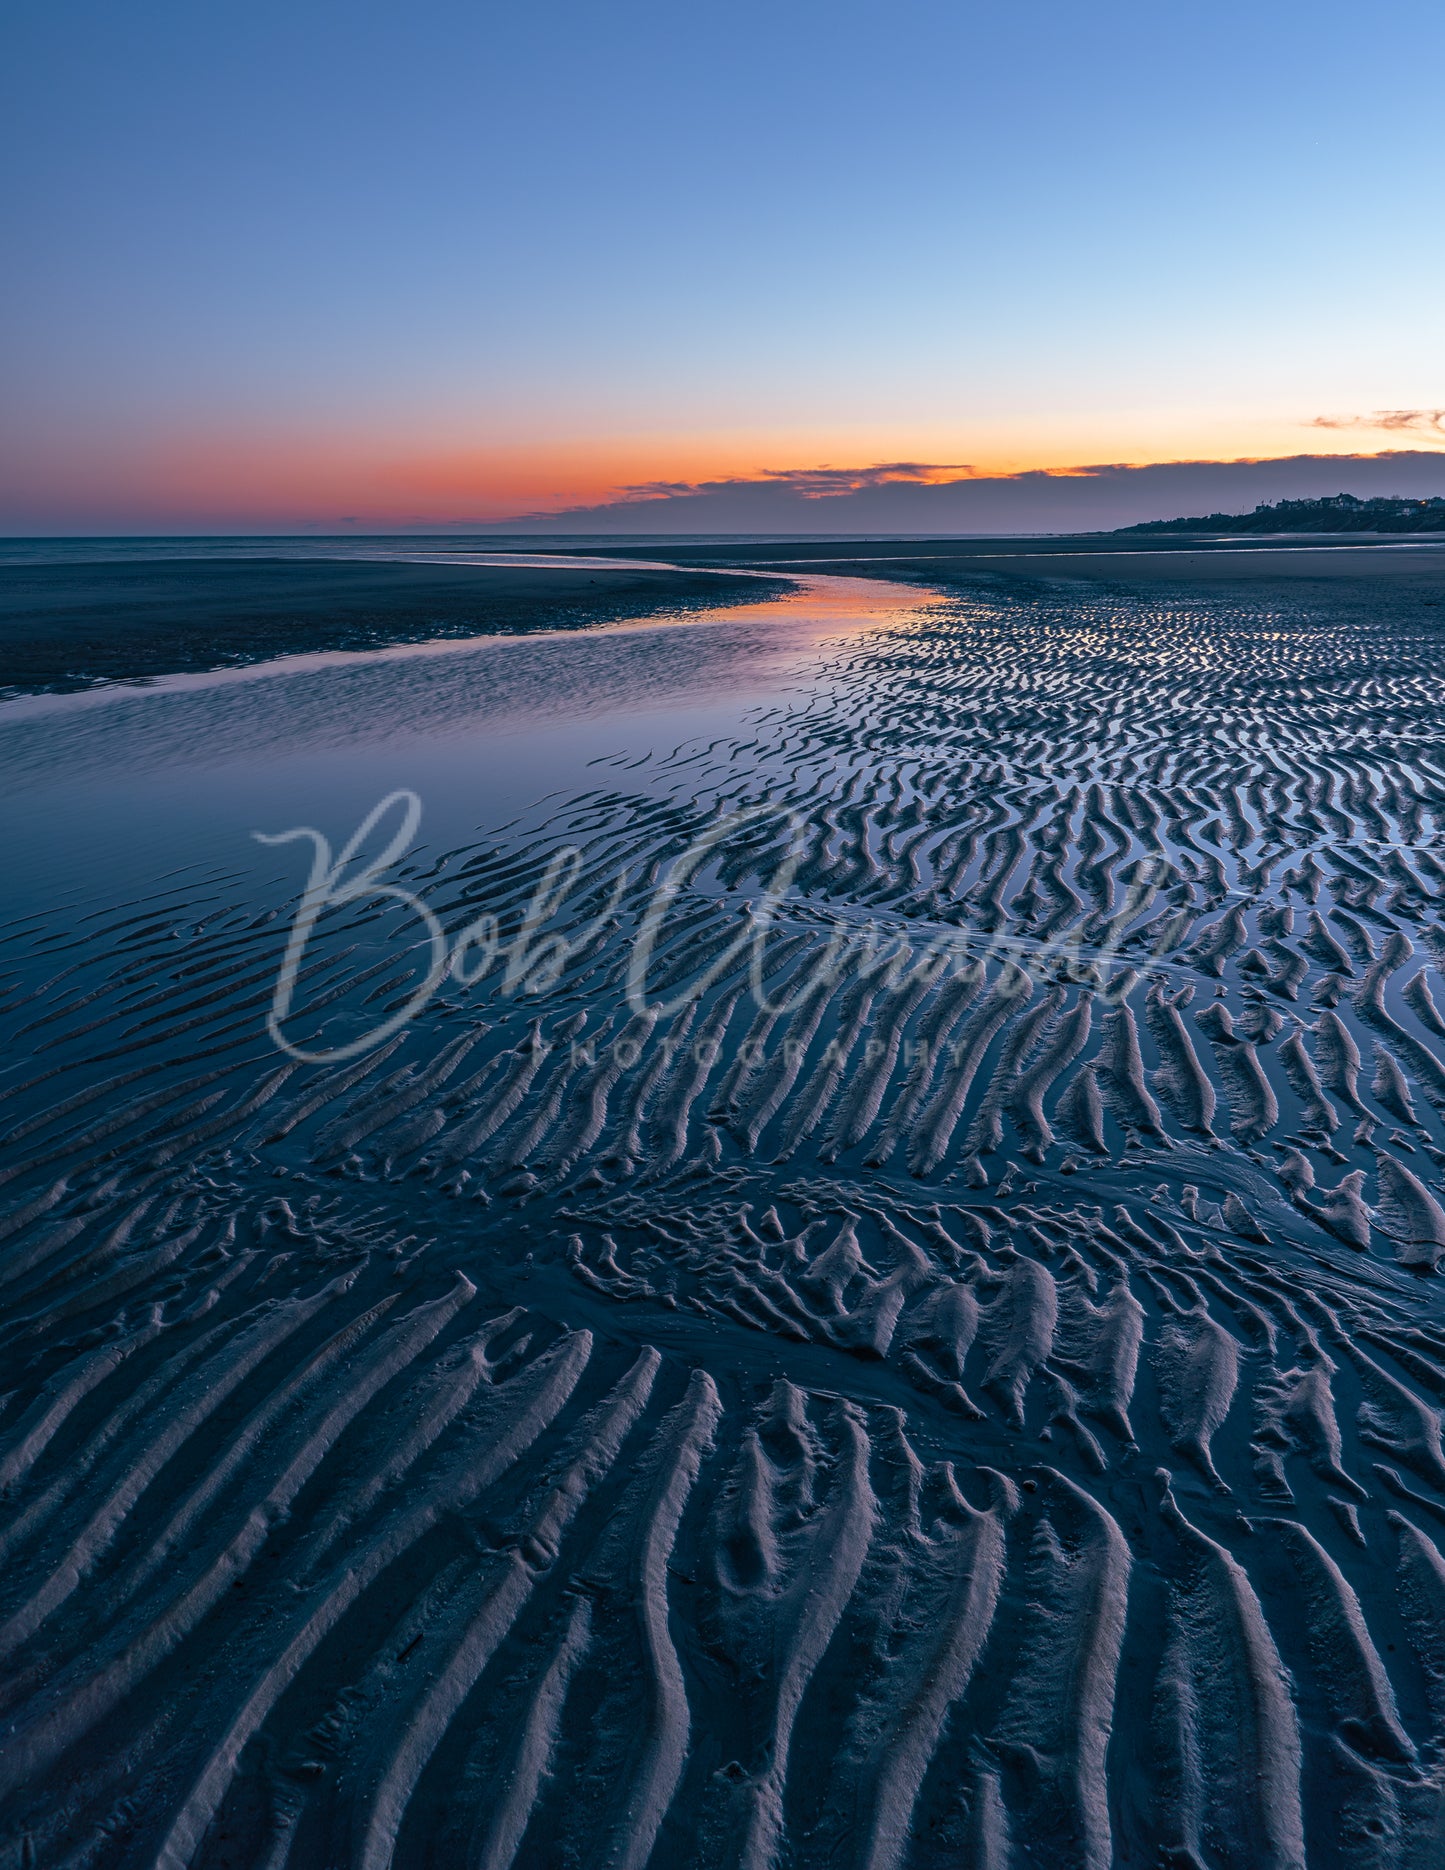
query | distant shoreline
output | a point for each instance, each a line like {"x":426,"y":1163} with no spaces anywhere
{"x":944,"y":563}
{"x":1337,"y":513}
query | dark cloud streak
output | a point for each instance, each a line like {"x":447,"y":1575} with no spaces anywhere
{"x":811,"y":483}
{"x":1425,"y":423}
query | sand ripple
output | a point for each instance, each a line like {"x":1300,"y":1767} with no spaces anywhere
{"x":983,"y":1406}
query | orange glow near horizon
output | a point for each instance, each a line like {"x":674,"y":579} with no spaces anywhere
{"x":317,"y":480}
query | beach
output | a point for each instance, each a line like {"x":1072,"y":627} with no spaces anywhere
{"x":66,"y":625}
{"x":760,"y":1221}
{"x":1159,"y":558}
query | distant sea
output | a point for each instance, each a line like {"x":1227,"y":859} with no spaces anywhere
{"x":456,"y":545}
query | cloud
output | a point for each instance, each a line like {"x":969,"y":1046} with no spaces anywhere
{"x":817,"y":483}
{"x":1425,"y":423}
{"x":811,"y":483}
{"x":919,"y":500}
{"x":657,"y":489}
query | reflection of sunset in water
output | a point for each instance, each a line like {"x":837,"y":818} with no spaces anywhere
{"x":751,"y":642}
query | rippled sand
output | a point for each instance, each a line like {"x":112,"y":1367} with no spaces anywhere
{"x":979,"y":1405}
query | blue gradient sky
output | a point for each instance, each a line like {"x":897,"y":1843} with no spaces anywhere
{"x":295,"y":264}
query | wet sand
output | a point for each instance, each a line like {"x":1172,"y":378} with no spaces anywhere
{"x":943,"y":1367}
{"x":68,"y":625}
{"x":1185,"y":558}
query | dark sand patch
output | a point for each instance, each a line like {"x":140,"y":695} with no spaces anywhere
{"x":69,"y":626}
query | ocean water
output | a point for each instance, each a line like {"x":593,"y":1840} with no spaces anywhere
{"x":462,"y":548}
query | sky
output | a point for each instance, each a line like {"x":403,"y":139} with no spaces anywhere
{"x":318,"y":266}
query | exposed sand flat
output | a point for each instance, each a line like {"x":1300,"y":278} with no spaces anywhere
{"x":65,"y":626}
{"x":981,"y":1405}
{"x":1182,"y":558}
{"x":1222,"y":563}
